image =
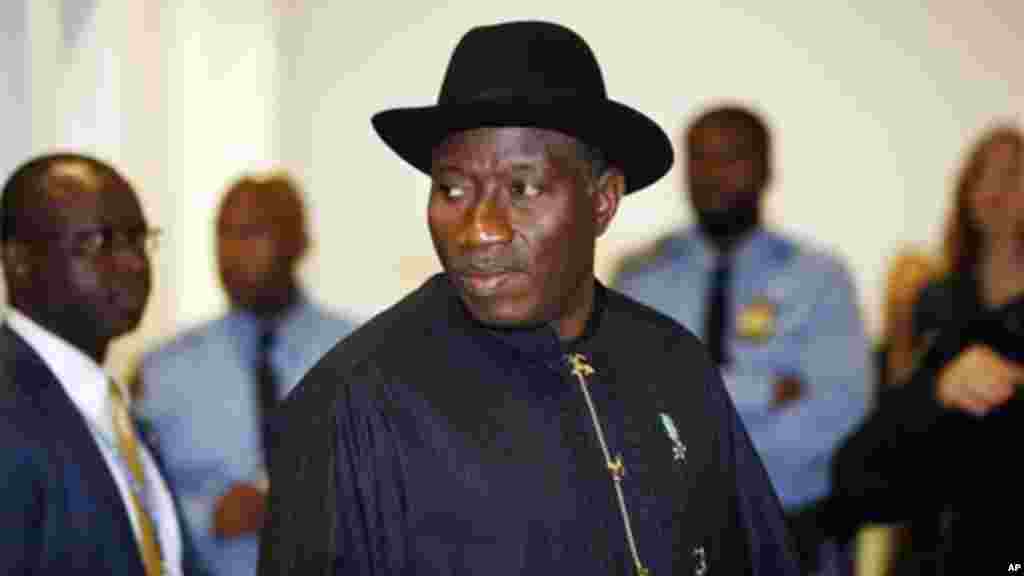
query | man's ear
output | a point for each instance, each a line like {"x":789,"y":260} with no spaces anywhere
{"x":298,"y":248}
{"x":608,"y":191}
{"x":16,"y":262}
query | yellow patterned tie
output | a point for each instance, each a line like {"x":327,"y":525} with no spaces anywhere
{"x":127,"y":445}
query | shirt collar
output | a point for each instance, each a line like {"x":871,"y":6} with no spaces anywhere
{"x":748,"y":248}
{"x":295,"y":313}
{"x":82,"y":378}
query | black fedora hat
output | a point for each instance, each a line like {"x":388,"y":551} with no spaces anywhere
{"x":530,"y":74}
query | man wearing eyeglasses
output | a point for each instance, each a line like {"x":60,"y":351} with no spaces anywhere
{"x":81,"y":491}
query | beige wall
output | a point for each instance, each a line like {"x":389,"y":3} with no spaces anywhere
{"x":871,"y":102}
{"x":180,"y":96}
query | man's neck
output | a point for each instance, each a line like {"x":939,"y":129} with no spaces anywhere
{"x":572,"y":325}
{"x":730,"y":244}
{"x":274,"y":310}
{"x":726,"y":231}
{"x":91,"y":346}
{"x":725,"y":245}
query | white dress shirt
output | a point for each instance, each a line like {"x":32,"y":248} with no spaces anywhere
{"x":86,"y":384}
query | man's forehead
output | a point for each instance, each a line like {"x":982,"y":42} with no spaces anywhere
{"x":721,"y":132}
{"x":78,"y":170}
{"x":274,"y":209}
{"x":505,"y":145}
{"x":75,"y":185}
{"x":259,"y":201}
{"x":70,"y":179}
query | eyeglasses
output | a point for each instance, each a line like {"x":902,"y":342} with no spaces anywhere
{"x":108,"y":241}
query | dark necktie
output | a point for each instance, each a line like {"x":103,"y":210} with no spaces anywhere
{"x":266,"y":380}
{"x":717,"y":313}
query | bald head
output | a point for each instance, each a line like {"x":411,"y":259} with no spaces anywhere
{"x":261,"y":236}
{"x":274,"y":195}
{"x":728,"y":165}
{"x":31,"y":190}
{"x":729,"y":158}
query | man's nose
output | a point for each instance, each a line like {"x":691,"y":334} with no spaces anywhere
{"x":708,"y":168}
{"x":487,"y":223}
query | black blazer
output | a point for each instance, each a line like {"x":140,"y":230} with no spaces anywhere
{"x":60,"y":510}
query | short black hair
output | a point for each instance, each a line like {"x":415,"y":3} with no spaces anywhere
{"x":29,"y":180}
{"x":595,"y":158}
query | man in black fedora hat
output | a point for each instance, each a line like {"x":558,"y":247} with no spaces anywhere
{"x":512,"y":415}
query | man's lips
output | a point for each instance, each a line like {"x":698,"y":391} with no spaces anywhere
{"x":485,"y":282}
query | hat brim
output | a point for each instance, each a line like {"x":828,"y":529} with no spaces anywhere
{"x":629,"y":140}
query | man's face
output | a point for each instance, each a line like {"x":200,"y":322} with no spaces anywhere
{"x":514,"y":219}
{"x":725,"y":168}
{"x":91,"y":277}
{"x":256,"y":248}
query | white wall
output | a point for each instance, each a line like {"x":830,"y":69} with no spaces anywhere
{"x":181,"y":97}
{"x":14,"y":95}
{"x":14,"y":100}
{"x":872,"y":106}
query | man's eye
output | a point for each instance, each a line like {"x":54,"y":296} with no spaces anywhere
{"x":526,"y":190}
{"x":452,"y":192}
{"x":94,"y":242}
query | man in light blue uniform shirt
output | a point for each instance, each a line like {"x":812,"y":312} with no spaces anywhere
{"x":205,"y":393}
{"x":780,"y":319}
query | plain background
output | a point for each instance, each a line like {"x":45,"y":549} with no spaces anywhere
{"x":872,"y":105}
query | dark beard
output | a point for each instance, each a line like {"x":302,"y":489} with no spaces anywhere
{"x":724,"y":228}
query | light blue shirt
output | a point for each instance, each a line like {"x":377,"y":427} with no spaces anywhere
{"x":200,"y":400}
{"x":794,"y":311}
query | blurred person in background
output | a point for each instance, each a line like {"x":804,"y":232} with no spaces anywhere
{"x":779,"y":317}
{"x":980,"y":247}
{"x":207,"y":394}
{"x":938,"y":451}
{"x":82,"y":491}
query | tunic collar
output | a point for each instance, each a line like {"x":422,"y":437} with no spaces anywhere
{"x":538,"y":344}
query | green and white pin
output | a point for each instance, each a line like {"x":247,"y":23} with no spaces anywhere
{"x":678,"y":448}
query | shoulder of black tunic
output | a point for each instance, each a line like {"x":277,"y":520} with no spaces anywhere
{"x":300,"y":533}
{"x":646,"y":342}
{"x":394,"y":336}
{"x":669,"y":366}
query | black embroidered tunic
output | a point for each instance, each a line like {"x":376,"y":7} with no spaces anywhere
{"x":426,"y":443}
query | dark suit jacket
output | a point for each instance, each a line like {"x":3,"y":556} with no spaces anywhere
{"x":60,"y":510}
